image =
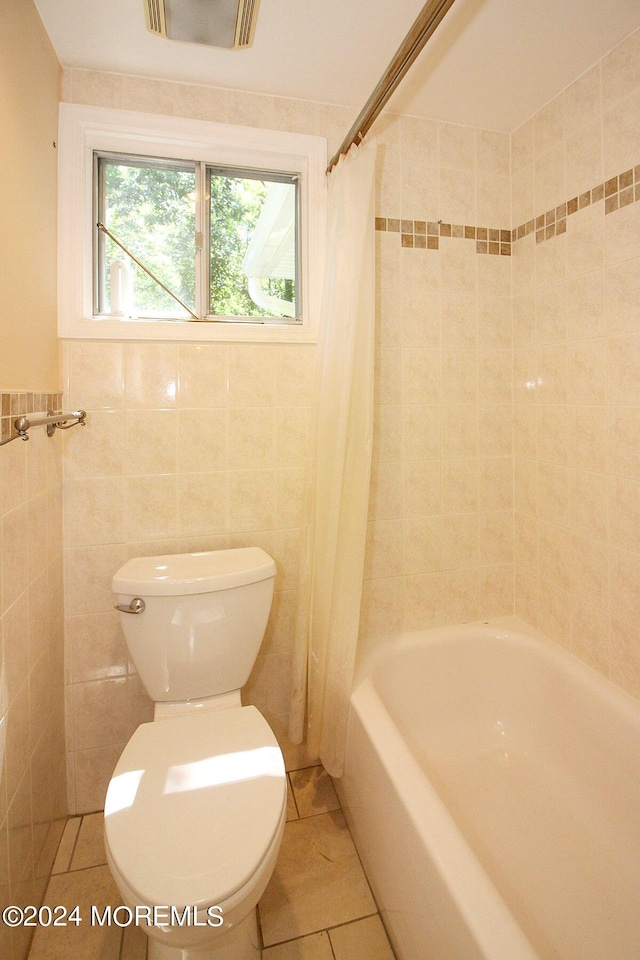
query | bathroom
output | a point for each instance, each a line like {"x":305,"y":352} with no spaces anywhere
{"x":505,"y":474}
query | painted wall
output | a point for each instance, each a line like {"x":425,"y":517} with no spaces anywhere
{"x":29,"y":94}
{"x":32,"y":746}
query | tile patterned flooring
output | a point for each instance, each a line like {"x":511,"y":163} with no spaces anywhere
{"x":318,"y":905}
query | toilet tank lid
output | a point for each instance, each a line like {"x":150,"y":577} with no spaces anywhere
{"x":186,"y":573}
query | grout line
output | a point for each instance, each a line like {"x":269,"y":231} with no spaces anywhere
{"x":303,"y":936}
{"x":346,"y":923}
{"x":305,"y":766}
{"x":367,"y":916}
{"x":327,"y":930}
{"x":293,"y":794}
{"x":259,"y":924}
{"x":365,"y":875}
{"x":57,"y":866}
{"x":75,"y":844}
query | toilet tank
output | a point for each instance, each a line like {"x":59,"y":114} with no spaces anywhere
{"x":203,"y":621}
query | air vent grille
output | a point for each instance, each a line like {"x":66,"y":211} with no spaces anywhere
{"x":217,"y":23}
{"x":155,"y":16}
{"x":245,"y":29}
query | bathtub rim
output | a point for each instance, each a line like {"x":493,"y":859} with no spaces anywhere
{"x":413,"y":789}
{"x":476,"y":896}
{"x":511,"y":629}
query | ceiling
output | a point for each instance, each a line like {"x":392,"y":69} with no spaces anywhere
{"x":490,"y":63}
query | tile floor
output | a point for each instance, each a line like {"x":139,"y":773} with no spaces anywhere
{"x":318,"y":905}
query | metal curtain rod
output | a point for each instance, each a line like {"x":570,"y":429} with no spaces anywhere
{"x":427,"y":21}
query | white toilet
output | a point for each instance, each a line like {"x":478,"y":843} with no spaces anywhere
{"x":196,"y":806}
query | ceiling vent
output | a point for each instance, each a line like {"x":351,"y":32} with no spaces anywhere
{"x":216,"y":23}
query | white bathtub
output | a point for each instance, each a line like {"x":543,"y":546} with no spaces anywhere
{"x":493,"y":789}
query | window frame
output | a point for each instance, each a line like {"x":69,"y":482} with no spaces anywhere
{"x":84,"y":130}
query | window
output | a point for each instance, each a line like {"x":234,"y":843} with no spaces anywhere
{"x":181,"y":239}
{"x":164,"y":222}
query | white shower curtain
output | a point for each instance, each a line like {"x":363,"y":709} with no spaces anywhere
{"x":339,"y":468}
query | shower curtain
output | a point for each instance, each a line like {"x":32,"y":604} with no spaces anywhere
{"x":338,"y":469}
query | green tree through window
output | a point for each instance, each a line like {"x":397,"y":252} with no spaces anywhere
{"x":151,"y":210}
{"x":150,"y":207}
{"x":235,"y":207}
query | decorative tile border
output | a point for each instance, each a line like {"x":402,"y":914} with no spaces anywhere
{"x":426,"y":234}
{"x":14,"y":405}
{"x":617,"y":192}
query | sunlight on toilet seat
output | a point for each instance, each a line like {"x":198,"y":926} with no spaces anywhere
{"x":122,"y":791}
{"x":226,"y":768}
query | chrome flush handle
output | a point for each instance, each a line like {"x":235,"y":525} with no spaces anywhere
{"x":136,"y":606}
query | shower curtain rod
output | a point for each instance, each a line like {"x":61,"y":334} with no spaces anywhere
{"x":427,"y":21}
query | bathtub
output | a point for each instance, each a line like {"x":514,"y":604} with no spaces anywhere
{"x":492,"y":786}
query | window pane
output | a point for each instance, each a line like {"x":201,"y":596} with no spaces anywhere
{"x":253,"y":245}
{"x":150,"y":208}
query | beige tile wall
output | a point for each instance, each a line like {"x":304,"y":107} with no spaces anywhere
{"x":577,"y":369}
{"x":186,"y":447}
{"x":32,"y":749}
{"x":478,"y":358}
{"x":441,"y":531}
{"x":440,"y":544}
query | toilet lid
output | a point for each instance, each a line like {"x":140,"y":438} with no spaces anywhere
{"x":194,"y":804}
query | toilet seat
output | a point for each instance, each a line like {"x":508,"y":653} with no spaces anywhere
{"x":194,"y":806}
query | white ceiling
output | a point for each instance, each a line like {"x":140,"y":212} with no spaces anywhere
{"x":490,"y":64}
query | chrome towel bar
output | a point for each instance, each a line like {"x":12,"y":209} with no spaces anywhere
{"x":63,"y":421}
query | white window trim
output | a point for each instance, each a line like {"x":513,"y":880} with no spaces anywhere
{"x":84,"y":129}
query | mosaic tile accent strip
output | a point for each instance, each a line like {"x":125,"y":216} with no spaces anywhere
{"x":14,"y":405}
{"x":425,"y":234}
{"x":617,"y":192}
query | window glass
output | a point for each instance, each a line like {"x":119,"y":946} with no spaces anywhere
{"x":159,"y":223}
{"x":198,"y":221}
{"x":149,"y":207}
{"x":252,"y":244}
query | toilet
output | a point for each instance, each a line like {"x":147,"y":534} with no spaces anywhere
{"x":196,"y":806}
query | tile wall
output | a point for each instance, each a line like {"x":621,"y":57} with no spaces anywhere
{"x":577,"y":367}
{"x":186,"y":447}
{"x":516,"y":334}
{"x":441,"y":531}
{"x":441,"y":510}
{"x":32,"y":748}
